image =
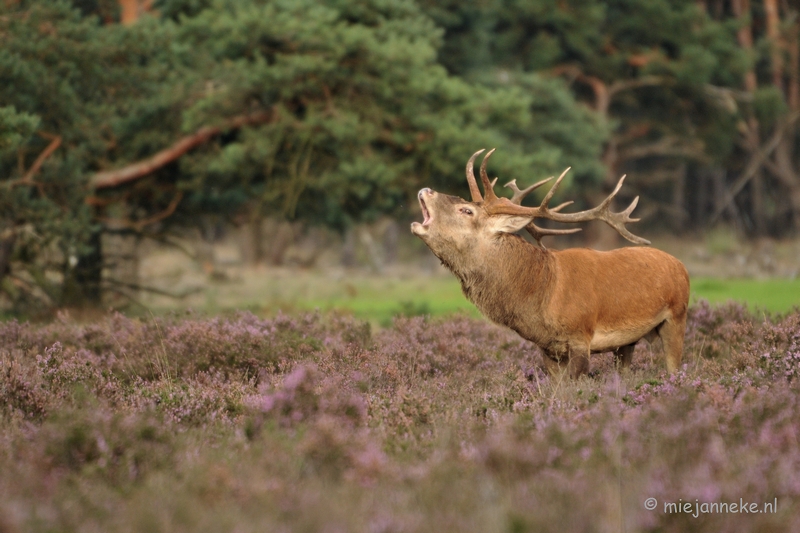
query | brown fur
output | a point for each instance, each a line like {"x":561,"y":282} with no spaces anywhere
{"x":569,"y":303}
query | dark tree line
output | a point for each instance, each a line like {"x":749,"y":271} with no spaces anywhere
{"x":700,"y":97}
{"x":137,"y":117}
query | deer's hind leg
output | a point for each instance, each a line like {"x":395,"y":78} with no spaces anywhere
{"x":555,"y":365}
{"x":623,"y":356}
{"x":671,"y":332}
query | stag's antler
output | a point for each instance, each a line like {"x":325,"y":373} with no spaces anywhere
{"x":601,"y":212}
{"x":473,"y":185}
{"x":495,"y":205}
{"x":535,"y":231}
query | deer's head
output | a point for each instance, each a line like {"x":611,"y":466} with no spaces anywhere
{"x":454,"y":227}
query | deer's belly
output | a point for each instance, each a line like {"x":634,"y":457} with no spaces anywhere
{"x":610,"y":338}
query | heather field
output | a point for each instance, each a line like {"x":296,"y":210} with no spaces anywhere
{"x":320,"y":422}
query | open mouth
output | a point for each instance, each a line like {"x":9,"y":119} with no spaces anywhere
{"x":425,"y":213}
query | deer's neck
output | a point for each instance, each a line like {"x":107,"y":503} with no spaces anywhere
{"x":509,"y":281}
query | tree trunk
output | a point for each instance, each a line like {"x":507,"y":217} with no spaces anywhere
{"x":741,"y":9}
{"x":7,"y":240}
{"x":120,"y":268}
{"x":773,"y":33}
{"x":757,"y":204}
{"x":349,"y":247}
{"x":794,"y":198}
{"x":679,"y":199}
{"x":280,"y":239}
{"x":701,"y":200}
{"x":256,"y":253}
{"x":391,"y":237}
{"x":372,"y":249}
{"x":83,"y":276}
{"x":793,"y":67}
{"x":720,"y":195}
{"x":787,"y":174}
{"x":131,"y":10}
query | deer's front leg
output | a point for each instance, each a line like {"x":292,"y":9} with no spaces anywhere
{"x":579,"y":359}
{"x":564,"y":357}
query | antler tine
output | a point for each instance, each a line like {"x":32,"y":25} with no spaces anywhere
{"x":493,"y":182}
{"x":496,"y":206}
{"x":552,"y":190}
{"x":473,"y":185}
{"x":561,"y":206}
{"x":488,"y":190}
{"x":536,"y":232}
{"x":630,"y":209}
{"x":519,"y":195}
{"x":604,"y":213}
{"x":539,"y":233}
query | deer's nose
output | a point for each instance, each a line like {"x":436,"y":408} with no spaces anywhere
{"x":425,"y":191}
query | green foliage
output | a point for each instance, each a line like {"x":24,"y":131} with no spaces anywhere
{"x":363,"y":116}
{"x":15,"y":128}
{"x":101,"y":91}
{"x":769,"y":105}
{"x":366,"y":115}
{"x":369,"y":101}
{"x":615,"y":42}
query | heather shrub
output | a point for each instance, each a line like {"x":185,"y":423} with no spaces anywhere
{"x":423,"y":347}
{"x":334,"y":450}
{"x":204,"y":398}
{"x":22,"y":390}
{"x":243,"y":343}
{"x":777,"y":348}
{"x":179,"y":345}
{"x":314,"y":422}
{"x":304,"y":394}
{"x":715,"y":331}
{"x":331,"y":419}
{"x":119,"y":448}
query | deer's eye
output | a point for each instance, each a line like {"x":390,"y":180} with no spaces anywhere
{"x":466,"y":211}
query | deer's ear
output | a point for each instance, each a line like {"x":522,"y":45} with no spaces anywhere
{"x":508,"y":223}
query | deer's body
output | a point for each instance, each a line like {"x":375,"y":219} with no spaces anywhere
{"x":570,"y":303}
{"x":577,"y":301}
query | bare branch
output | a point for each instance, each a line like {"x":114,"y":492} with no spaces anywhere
{"x":135,"y":171}
{"x":666,"y":146}
{"x":139,"y":225}
{"x":759,"y":158}
{"x":636,"y":83}
{"x":52,"y":147}
{"x":605,"y":93}
{"x":27,"y":179}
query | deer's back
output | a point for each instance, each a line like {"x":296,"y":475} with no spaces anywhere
{"x":628,"y":288}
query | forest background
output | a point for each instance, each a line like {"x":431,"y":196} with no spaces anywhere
{"x":132,"y":121}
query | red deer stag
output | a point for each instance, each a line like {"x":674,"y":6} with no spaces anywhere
{"x":570,"y":303}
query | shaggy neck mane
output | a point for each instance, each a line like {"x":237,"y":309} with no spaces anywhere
{"x":510,"y":272}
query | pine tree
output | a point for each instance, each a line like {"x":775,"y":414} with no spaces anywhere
{"x":330,"y":113}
